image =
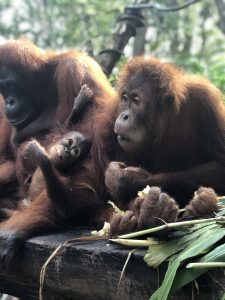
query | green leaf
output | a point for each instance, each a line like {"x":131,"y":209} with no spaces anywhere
{"x":223,"y":297}
{"x":222,"y":201}
{"x":203,"y":242}
{"x":185,"y":276}
{"x":156,"y":254}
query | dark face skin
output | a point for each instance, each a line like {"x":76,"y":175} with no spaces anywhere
{"x":130,"y":126}
{"x":17,"y":95}
{"x":73,"y":147}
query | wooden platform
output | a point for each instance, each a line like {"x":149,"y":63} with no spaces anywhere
{"x":91,"y":271}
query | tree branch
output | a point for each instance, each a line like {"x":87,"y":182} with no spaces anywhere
{"x":160,"y":7}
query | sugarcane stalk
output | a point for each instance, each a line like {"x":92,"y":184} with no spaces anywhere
{"x":135,"y":243}
{"x":206,"y":265}
{"x":171,"y":225}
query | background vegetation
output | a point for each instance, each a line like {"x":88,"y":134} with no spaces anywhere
{"x":193,"y":37}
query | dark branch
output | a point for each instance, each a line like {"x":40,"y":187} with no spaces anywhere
{"x":160,"y":7}
{"x":126,"y":27}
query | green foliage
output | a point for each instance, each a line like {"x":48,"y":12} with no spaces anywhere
{"x":162,"y":251}
{"x":214,"y":70}
{"x":216,"y":73}
{"x":60,"y":23}
{"x":185,"y":276}
{"x":199,"y":240}
{"x":192,"y":249}
{"x":190,"y":37}
{"x":202,"y":239}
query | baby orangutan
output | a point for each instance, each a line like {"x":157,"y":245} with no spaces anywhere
{"x":52,"y":187}
{"x":55,"y":163}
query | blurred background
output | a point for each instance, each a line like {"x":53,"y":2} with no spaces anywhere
{"x":193,"y":37}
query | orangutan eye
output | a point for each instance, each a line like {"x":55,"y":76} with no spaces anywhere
{"x":125,"y":97}
{"x":136,"y":100}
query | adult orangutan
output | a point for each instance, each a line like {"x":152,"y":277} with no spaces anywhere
{"x":172,"y":128}
{"x":39,"y":90}
{"x":8,"y":181}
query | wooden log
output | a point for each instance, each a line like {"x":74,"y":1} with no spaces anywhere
{"x":90,"y":271}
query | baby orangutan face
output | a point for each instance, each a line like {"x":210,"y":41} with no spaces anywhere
{"x":72,"y":148}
